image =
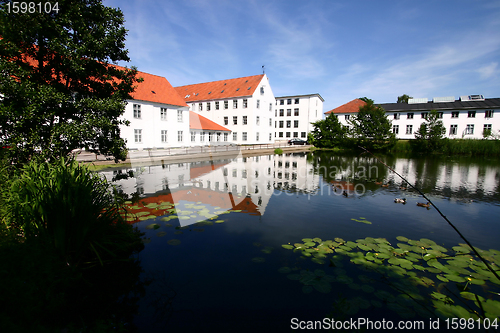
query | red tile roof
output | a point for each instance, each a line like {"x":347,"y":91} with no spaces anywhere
{"x":351,"y":107}
{"x":197,"y":121}
{"x":156,"y":89}
{"x":240,"y":87}
{"x":198,"y":171}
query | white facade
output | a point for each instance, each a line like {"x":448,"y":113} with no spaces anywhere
{"x":249,"y":118}
{"x":462,"y":120}
{"x":155,"y":125}
{"x":293,"y":115}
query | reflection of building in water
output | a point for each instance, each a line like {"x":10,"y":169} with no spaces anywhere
{"x":450,"y":176}
{"x":240,"y":182}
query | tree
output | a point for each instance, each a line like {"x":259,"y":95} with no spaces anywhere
{"x":372,"y":128}
{"x":429,"y":136}
{"x":403,"y":98}
{"x":60,"y":88}
{"x":328,"y":133}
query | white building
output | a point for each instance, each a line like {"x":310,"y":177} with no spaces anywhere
{"x":159,"y":118}
{"x":466,"y":118}
{"x":242,"y":105}
{"x":293,"y":115}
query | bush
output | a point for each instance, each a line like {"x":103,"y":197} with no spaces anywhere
{"x":71,"y":210}
{"x":278,"y":151}
{"x":67,"y":250}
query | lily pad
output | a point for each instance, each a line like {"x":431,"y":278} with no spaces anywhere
{"x":284,"y":270}
{"x":258,"y":259}
{"x":173,"y":242}
{"x":153,"y":226}
{"x":161,"y":234}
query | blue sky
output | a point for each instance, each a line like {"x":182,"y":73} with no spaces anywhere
{"x":339,"y":49}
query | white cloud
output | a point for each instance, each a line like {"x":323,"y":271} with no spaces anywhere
{"x":488,"y":71}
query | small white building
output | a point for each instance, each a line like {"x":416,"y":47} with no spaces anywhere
{"x":242,"y":105}
{"x":293,"y":115}
{"x":466,"y":118}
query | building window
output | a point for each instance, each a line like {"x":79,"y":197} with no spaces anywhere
{"x":257,"y":136}
{"x":179,"y":136}
{"x":453,"y":129}
{"x":296,"y":101}
{"x":295,"y":134}
{"x":469,"y":129}
{"x":288,"y":112}
{"x":295,"y":112}
{"x":270,"y":122}
{"x":289,"y":101}
{"x":216,"y":105}
{"x":226,"y":121}
{"x":200,"y":105}
{"x":396,"y":116}
{"x":226,"y":105}
{"x":138,"y":135}
{"x":347,"y":116}
{"x":225,"y":136}
{"x":271,"y":136}
{"x":395,"y":129}
{"x":208,"y":106}
{"x":262,"y":90}
{"x":282,"y":102}
{"x":244,"y":136}
{"x":235,"y":136}
{"x":235,"y":120}
{"x":409,"y":116}
{"x":488,"y":114}
{"x":280,"y":134}
{"x":440,"y":115}
{"x":282,"y":112}
{"x":235,"y":103}
{"x":235,"y":174}
{"x":179,"y":116}
{"x":218,"y":136}
{"x":245,"y":103}
{"x":288,"y":123}
{"x":257,"y":120}
{"x":409,"y":129}
{"x":281,"y":123}
{"x":193,"y":136}
{"x":302,"y":134}
{"x":202,"y":137}
{"x":163,"y":113}
{"x":454,"y":114}
{"x":270,"y":106}
{"x":287,"y":134}
{"x":137,"y":111}
{"x":487,"y":129}
{"x":424,"y":115}
{"x":472,"y":114}
{"x":258,"y":104}
{"x":244,"y":120}
{"x":163,"y":136}
{"x":210,"y":136}
{"x":295,"y":123}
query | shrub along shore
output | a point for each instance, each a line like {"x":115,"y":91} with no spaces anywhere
{"x":472,"y":147}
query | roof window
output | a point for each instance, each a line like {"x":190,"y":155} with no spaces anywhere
{"x":249,"y":88}
{"x":209,"y":92}
{"x":222,"y":91}
{"x":238,"y":89}
{"x":153,"y":91}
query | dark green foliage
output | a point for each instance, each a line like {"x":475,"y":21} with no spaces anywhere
{"x":65,"y":251}
{"x":429,"y":136}
{"x":403,"y":98}
{"x":60,"y":90}
{"x":371,"y":127}
{"x":328,"y":133}
{"x":450,"y":147}
{"x":278,"y":151}
{"x":68,"y":208}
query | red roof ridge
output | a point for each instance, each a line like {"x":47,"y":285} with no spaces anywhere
{"x":221,"y":89}
{"x":349,"y":107}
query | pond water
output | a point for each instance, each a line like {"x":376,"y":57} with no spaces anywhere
{"x":268,"y":243}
